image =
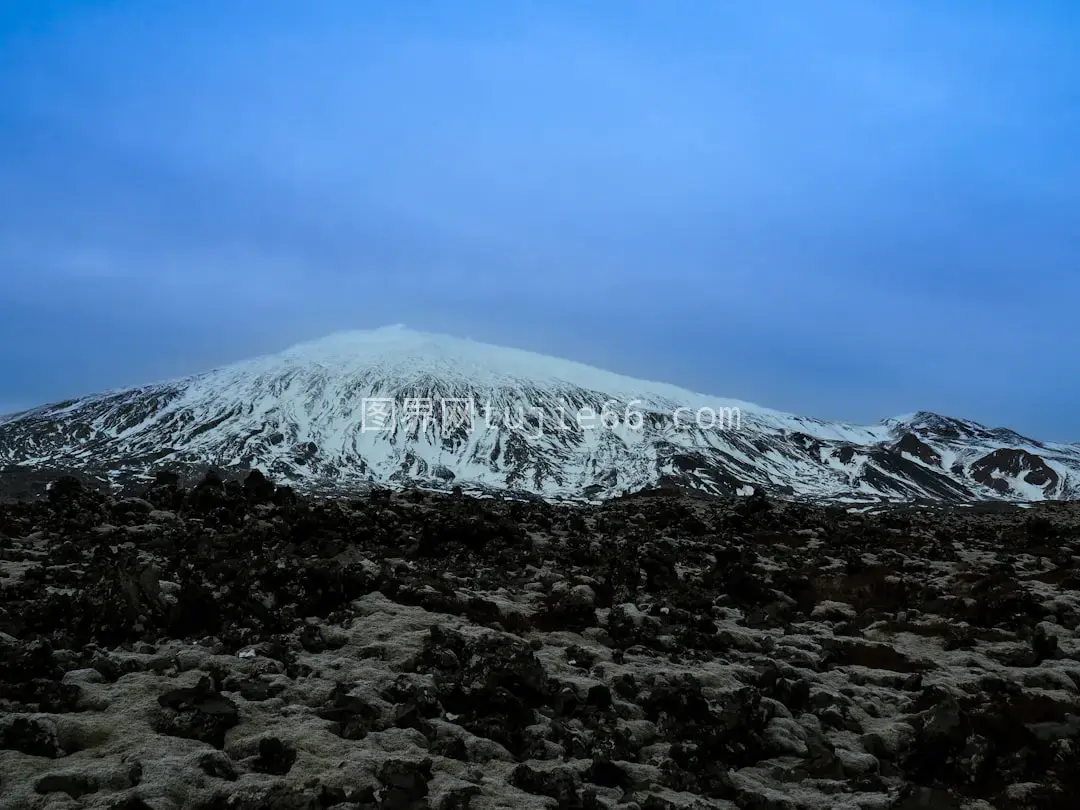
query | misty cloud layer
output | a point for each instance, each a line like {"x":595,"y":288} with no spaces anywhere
{"x":845,"y":210}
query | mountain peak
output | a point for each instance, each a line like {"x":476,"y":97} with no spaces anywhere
{"x":534,"y":423}
{"x":406,"y":354}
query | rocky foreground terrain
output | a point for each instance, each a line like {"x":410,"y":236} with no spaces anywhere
{"x":235,"y":646}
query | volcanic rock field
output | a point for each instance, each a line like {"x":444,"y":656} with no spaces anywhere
{"x":235,"y":646}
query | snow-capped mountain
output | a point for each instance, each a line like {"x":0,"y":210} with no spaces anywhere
{"x":394,"y":406}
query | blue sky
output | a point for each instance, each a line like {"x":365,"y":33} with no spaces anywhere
{"x":844,"y":209}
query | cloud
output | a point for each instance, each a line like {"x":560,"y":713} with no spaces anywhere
{"x":850,"y":211}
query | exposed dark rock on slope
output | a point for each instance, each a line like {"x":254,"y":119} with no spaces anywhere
{"x":236,"y":646}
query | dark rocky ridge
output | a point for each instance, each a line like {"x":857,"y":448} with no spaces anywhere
{"x":1012,"y":462}
{"x":233,"y":645}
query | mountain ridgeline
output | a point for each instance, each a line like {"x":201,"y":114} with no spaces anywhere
{"x":394,"y":406}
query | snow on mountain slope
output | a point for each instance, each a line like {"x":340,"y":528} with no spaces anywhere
{"x":394,"y":405}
